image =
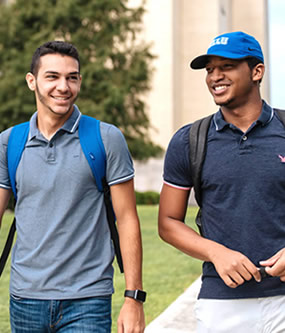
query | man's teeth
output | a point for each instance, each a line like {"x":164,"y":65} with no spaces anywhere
{"x":220,"y":88}
{"x":60,"y":98}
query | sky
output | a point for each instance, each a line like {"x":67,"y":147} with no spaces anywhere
{"x":277,"y":52}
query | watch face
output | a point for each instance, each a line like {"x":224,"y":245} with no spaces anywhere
{"x":140,"y":295}
{"x":137,"y":294}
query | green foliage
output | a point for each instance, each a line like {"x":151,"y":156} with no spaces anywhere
{"x":147,"y":198}
{"x":115,"y":65}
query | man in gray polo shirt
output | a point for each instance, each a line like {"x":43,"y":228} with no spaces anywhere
{"x":61,"y":273}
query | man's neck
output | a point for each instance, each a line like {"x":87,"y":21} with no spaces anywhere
{"x":243,"y":116}
{"x":49,"y":124}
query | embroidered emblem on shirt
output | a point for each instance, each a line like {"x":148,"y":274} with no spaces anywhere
{"x":282,"y":158}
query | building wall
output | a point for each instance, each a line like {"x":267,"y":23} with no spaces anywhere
{"x":199,"y":23}
{"x":159,"y":24}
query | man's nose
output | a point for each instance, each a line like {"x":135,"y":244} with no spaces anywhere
{"x":62,"y":84}
{"x":217,"y":74}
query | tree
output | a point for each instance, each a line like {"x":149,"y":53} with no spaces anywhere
{"x":115,"y":66}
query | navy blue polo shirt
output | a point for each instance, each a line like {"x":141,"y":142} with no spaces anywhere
{"x":243,"y":184}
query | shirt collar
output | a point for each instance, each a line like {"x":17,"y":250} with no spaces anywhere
{"x":264,"y":118}
{"x":70,"y":125}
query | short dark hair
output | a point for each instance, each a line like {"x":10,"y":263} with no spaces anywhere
{"x":252,"y":62}
{"x":53,"y":47}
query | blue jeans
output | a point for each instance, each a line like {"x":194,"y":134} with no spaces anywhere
{"x":84,"y":315}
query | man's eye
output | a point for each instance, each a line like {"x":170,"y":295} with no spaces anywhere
{"x":228,"y":66}
{"x":209,"y":69}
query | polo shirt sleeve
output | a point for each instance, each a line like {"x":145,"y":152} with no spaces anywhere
{"x":176,"y":164}
{"x":119,"y":162}
{"x":4,"y":176}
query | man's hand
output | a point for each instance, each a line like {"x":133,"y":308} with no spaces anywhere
{"x":131,"y":318}
{"x":275,"y":266}
{"x":233,"y":267}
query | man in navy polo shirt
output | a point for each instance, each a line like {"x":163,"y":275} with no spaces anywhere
{"x":61,"y":272}
{"x":243,"y":194}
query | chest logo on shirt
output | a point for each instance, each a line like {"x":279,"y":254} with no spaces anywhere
{"x":282,"y":158}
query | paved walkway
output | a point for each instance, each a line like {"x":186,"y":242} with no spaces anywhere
{"x":179,"y":316}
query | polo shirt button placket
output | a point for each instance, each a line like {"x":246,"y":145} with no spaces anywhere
{"x":51,"y":152}
{"x":243,"y":143}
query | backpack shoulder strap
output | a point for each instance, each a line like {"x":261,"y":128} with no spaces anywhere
{"x":281,"y":115}
{"x":16,"y":146}
{"x":94,"y":151}
{"x":198,"y":145}
{"x":93,"y":147}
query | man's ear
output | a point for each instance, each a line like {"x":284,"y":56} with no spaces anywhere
{"x":31,"y":81}
{"x":258,"y":72}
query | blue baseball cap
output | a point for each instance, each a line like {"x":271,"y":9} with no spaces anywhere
{"x":232,"y":45}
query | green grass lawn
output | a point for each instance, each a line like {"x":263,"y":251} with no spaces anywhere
{"x":166,"y":272}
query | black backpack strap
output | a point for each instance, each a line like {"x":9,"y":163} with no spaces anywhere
{"x":198,"y":146}
{"x":281,"y":115}
{"x":8,"y":245}
{"x":198,"y":140}
{"x":112,"y":223}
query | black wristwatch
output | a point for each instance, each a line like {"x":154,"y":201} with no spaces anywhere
{"x":138,"y":295}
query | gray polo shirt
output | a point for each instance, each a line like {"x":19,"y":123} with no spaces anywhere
{"x":63,"y":248}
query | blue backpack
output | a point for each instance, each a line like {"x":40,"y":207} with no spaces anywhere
{"x":94,"y":151}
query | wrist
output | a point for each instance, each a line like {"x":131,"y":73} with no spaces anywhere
{"x":133,"y":303}
{"x":214,"y":251}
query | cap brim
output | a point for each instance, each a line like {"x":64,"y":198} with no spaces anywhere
{"x":199,"y":62}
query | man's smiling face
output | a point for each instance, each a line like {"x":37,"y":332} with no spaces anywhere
{"x":229,"y":81}
{"x":56,"y":84}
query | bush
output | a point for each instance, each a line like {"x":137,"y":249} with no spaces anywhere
{"x":147,"y":198}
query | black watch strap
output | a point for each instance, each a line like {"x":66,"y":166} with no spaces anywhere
{"x":137,"y":294}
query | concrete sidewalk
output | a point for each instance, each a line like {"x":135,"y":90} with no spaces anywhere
{"x":179,"y":316}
